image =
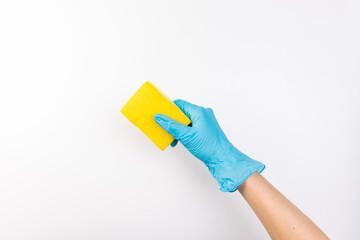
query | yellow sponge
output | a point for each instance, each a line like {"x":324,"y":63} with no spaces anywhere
{"x":142,"y":107}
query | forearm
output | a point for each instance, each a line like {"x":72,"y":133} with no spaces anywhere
{"x":281,"y":218}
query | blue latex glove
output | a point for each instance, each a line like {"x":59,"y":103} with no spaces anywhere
{"x":206,"y":141}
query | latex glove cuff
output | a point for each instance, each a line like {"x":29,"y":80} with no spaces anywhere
{"x":230,"y":167}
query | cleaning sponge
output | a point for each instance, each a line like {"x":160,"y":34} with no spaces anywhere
{"x":142,"y":107}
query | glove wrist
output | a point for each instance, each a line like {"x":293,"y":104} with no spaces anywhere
{"x":230,"y":167}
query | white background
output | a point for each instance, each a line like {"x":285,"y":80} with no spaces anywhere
{"x":282,"y":77}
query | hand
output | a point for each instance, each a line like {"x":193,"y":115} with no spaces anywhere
{"x":206,"y":141}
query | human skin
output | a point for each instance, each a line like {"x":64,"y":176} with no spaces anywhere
{"x":281,"y":218}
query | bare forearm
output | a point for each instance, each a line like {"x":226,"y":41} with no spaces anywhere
{"x":281,"y":218}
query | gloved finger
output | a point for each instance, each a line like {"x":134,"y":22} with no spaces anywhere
{"x":173,"y":143}
{"x":171,"y":126}
{"x":191,"y":110}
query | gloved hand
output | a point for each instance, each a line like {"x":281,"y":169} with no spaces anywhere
{"x":206,"y":141}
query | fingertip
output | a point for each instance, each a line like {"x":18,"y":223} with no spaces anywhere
{"x":159,"y":119}
{"x":158,"y":116}
{"x":180,"y":102}
{"x":173,"y":143}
